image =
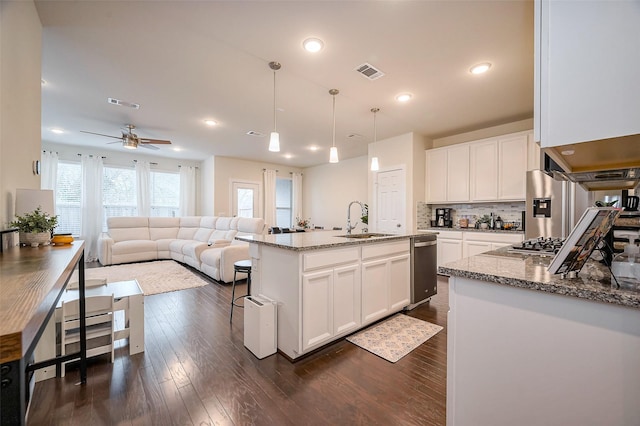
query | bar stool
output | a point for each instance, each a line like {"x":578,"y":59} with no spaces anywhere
{"x":240,"y":266}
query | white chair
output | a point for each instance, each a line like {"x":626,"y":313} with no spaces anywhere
{"x":99,"y":322}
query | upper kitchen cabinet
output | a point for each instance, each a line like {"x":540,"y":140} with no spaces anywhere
{"x":447,"y":175}
{"x":586,"y":71}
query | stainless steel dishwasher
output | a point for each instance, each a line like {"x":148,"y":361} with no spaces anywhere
{"x":424,"y":268}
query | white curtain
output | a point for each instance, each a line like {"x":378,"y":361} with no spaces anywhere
{"x":270,"y":198}
{"x":296,"y":195}
{"x":187,"y":191}
{"x":143,"y":186}
{"x":91,"y":205}
{"x":49,"y":171}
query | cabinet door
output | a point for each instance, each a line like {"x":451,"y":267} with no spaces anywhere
{"x":512,"y":167}
{"x":436,"y":184}
{"x":399,"y":282}
{"x":375,"y":293}
{"x":472,"y":248}
{"x":317,"y":308}
{"x":582,"y":98}
{"x":346,"y":299}
{"x":449,"y":251}
{"x":458,"y":173}
{"x":484,"y":170}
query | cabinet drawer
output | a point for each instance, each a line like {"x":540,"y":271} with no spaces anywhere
{"x":449,"y":235}
{"x":322,"y":259}
{"x":493,"y":237}
{"x":370,"y":251}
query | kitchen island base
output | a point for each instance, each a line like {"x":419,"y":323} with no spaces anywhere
{"x":525,"y":357}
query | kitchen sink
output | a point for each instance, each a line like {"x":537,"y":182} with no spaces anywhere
{"x":364,"y":235}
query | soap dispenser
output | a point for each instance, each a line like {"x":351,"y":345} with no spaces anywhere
{"x":626,"y":265}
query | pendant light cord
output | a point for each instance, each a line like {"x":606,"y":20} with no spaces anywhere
{"x":274,"y":101}
{"x":334,"y":120}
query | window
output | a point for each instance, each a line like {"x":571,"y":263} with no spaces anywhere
{"x":283,"y":203}
{"x":68,"y":198}
{"x":165,"y":194}
{"x":118,"y":193}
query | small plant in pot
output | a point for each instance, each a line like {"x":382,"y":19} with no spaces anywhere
{"x":36,"y":228}
{"x":483,"y":222}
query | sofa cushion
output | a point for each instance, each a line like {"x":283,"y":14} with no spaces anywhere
{"x":250,"y":226}
{"x":202,"y":234}
{"x":189,"y":225}
{"x":163,"y":248}
{"x":163,"y":227}
{"x":192,"y":250}
{"x":224,"y":223}
{"x":218,"y":237}
{"x":128,"y":228}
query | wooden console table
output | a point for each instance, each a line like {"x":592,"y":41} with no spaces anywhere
{"x":31,"y":283}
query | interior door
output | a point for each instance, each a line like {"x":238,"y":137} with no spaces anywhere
{"x":245,"y":199}
{"x":390,"y":196}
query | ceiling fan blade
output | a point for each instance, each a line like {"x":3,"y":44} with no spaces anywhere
{"x":155,"y":141}
{"x":100,"y":134}
{"x":148,"y":146}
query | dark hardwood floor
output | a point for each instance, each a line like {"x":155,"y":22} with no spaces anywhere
{"x":195,"y":370}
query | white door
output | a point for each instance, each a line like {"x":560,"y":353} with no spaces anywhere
{"x":245,"y":199}
{"x":317,"y":308}
{"x":390,"y":196}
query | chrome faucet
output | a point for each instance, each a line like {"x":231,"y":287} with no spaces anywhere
{"x":349,"y":227}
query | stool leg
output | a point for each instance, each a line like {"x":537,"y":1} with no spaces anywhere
{"x":233,"y":292}
{"x":249,"y":283}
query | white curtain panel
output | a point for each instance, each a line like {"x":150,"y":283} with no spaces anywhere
{"x":91,"y":205}
{"x":49,"y":171}
{"x":143,"y":186}
{"x":270,"y":198}
{"x":296,"y":196}
{"x":187,"y":191}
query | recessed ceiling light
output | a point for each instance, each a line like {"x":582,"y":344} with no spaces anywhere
{"x":210,"y":122}
{"x":313,"y":45}
{"x":404,"y":97}
{"x":43,"y":81}
{"x":288,"y":156}
{"x":57,"y":131}
{"x":313,"y":148}
{"x":568,"y":152}
{"x":480,"y":68}
{"x":177,"y":149}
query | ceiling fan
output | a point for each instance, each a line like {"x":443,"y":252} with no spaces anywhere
{"x":131,"y":141}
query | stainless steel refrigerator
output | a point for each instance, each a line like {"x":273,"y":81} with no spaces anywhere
{"x":552,"y":206}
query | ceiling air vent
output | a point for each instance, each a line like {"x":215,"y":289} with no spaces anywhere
{"x":254,"y":133}
{"x":369,"y":71}
{"x":114,"y":101}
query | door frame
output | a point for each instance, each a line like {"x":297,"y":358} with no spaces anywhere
{"x":232,"y":182}
{"x":373,"y":212}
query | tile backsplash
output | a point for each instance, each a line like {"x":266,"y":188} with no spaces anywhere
{"x":508,"y":212}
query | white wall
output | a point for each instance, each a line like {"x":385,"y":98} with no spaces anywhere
{"x":228,"y":169}
{"x":405,"y":151}
{"x":329,"y":188}
{"x":489,"y":132}
{"x":20,"y":75}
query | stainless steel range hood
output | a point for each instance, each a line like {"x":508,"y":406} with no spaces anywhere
{"x":607,"y":164}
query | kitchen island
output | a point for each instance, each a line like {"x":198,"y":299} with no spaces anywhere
{"x":527,"y":347}
{"x":327,"y":285}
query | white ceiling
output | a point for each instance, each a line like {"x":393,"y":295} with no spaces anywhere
{"x":187,"y":61}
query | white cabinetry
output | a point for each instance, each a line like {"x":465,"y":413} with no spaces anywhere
{"x":449,"y":246}
{"x":458,"y":173}
{"x":586,"y":71}
{"x":436,"y":175}
{"x":330,"y":304}
{"x":385,"y":272}
{"x":487,"y":170}
{"x":475,"y":243}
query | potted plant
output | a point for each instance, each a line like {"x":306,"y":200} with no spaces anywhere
{"x":483,"y":222}
{"x":365,"y":218}
{"x":35,"y":228}
{"x":303,"y":223}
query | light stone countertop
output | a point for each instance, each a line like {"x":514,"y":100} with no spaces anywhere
{"x":488,"y":231}
{"x":318,"y":239}
{"x":530,"y":272}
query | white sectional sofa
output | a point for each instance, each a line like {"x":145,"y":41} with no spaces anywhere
{"x":204,"y":242}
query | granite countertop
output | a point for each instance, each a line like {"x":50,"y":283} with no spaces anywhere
{"x":314,"y":240}
{"x":499,"y":231}
{"x":530,"y":272}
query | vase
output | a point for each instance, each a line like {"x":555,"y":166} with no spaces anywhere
{"x":484,"y":226}
{"x":35,"y":239}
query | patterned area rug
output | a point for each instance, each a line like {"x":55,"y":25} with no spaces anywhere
{"x":394,"y":338}
{"x":154,"y":277}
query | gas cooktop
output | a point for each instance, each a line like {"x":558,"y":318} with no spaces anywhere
{"x":540,"y":246}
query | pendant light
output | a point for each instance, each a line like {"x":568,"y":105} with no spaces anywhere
{"x":333,"y":152}
{"x":374,"y":160}
{"x":274,"y":139}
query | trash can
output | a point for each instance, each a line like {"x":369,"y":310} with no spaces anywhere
{"x":260,"y":325}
